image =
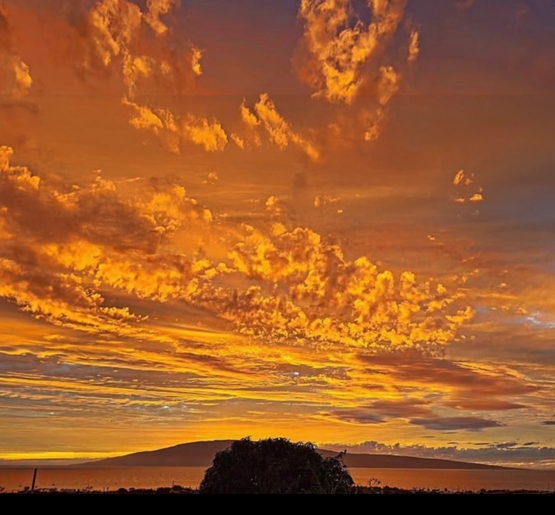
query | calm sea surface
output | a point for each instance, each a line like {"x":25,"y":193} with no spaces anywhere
{"x":114,"y":478}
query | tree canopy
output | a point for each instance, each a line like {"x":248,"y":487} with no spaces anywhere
{"x":275,"y":466}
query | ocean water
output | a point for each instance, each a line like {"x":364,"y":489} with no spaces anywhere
{"x":115,"y":478}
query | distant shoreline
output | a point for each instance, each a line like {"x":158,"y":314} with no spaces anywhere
{"x":201,"y":454}
{"x":177,"y":490}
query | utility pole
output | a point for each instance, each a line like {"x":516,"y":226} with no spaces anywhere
{"x":34,"y":481}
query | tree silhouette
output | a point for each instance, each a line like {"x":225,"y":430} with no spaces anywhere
{"x":275,"y":467}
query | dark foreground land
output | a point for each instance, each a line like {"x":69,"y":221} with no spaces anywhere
{"x":177,"y":490}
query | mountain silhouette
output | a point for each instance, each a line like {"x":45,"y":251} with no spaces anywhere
{"x":201,"y":454}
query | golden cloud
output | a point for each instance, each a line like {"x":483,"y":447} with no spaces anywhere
{"x":465,"y":186}
{"x":114,"y":36}
{"x":304,"y":289}
{"x":338,"y":46}
{"x":309,"y":292}
{"x":279,"y":130}
{"x":414,"y":46}
{"x":15,"y":76}
{"x":388,"y":84}
{"x":90,"y":239}
{"x":157,"y":9}
{"x":173,"y":131}
{"x":196,"y":58}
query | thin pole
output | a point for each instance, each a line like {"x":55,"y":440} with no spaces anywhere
{"x":34,"y":481}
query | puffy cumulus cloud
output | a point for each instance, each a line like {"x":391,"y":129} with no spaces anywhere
{"x":79,"y":240}
{"x":196,"y":61}
{"x":113,"y":28}
{"x":341,"y":54}
{"x":311,"y":292}
{"x":173,"y":131}
{"x":388,"y":85}
{"x":305,"y":290}
{"x":338,"y":45}
{"x":114,"y":38}
{"x":280,"y":132}
{"x":204,"y":133}
{"x":369,"y":123}
{"x":252,"y":123}
{"x":463,"y":179}
{"x":466,"y":189}
{"x":157,"y":9}
{"x":159,"y":121}
{"x":115,"y":42}
{"x":15,"y":76}
{"x":526,"y":454}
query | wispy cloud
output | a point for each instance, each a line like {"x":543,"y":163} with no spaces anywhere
{"x":455,"y":423}
{"x":279,"y":131}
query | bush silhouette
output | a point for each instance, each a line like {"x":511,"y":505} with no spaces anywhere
{"x":275,"y":467}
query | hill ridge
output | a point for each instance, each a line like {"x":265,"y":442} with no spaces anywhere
{"x":201,"y":454}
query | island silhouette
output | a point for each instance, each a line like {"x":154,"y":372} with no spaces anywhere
{"x":201,"y":454}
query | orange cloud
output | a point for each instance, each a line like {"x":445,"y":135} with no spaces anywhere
{"x":388,"y":84}
{"x":92,"y":237}
{"x":339,"y":46}
{"x":113,"y":26}
{"x":414,"y":46}
{"x":115,"y":38}
{"x":196,"y":58}
{"x":465,"y":185}
{"x":318,"y":296}
{"x":279,"y":131}
{"x":201,"y":132}
{"x":305,"y":289}
{"x":157,"y":9}
{"x":173,"y":131}
{"x":15,"y":76}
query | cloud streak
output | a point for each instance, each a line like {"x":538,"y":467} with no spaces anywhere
{"x":173,"y":131}
{"x":279,"y":131}
{"x":473,"y":424}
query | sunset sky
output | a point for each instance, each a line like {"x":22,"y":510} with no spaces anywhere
{"x":328,"y":220}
